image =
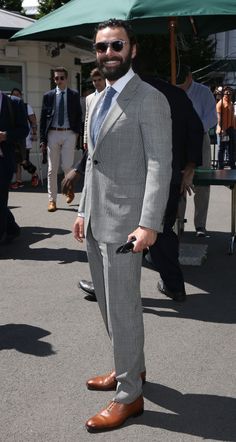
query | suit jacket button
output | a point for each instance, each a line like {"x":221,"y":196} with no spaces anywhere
{"x":95,"y":162}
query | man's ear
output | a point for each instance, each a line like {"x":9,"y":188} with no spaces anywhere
{"x":134,"y":51}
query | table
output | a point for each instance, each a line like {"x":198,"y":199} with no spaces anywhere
{"x":225,"y":177}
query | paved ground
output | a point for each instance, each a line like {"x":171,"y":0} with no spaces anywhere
{"x":52,"y":338}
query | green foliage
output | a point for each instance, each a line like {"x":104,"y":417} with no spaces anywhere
{"x":11,"y":5}
{"x":154,"y":53}
{"x":196,"y":52}
{"x":47,"y":6}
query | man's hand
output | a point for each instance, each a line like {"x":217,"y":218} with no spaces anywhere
{"x":33,"y":137}
{"x":68,"y":182}
{"x":187,"y":180}
{"x":3,"y":136}
{"x":218,"y":129}
{"x":78,"y":229}
{"x":144,"y":238}
{"x":43,"y":147}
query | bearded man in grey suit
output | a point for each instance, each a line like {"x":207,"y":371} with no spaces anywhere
{"x":125,"y":193}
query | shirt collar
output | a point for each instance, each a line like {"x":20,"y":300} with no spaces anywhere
{"x":121,"y":82}
{"x":191,"y":87}
{"x":58,"y":90}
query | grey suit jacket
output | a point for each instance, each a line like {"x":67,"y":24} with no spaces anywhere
{"x":129,"y":169}
{"x":89,"y":99}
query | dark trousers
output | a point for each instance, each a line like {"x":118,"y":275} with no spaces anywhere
{"x":230,"y":145}
{"x":28,"y":166}
{"x":165,"y":252}
{"x":8,"y":225}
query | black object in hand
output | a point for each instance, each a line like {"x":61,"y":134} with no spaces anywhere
{"x":127,"y":247}
{"x":45,"y":157}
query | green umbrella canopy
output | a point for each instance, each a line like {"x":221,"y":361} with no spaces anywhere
{"x":79,"y":17}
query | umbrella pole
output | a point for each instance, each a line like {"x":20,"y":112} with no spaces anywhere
{"x":172,"y":29}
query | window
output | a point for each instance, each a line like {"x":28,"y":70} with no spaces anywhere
{"x":10,"y":77}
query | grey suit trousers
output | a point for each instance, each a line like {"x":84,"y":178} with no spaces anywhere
{"x":116,"y":279}
{"x":202,"y":193}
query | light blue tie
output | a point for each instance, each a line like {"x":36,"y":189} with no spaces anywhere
{"x":110,"y":92}
{"x":61,"y":110}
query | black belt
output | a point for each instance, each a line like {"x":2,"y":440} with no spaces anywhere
{"x":59,"y":128}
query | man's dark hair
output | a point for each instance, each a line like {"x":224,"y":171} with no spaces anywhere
{"x":61,"y":69}
{"x":228,"y":89}
{"x":96,"y":73}
{"x":182,"y":73}
{"x":17,"y":90}
{"x":114,"y":23}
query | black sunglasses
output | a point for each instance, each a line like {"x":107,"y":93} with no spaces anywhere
{"x":116,"y":45}
{"x":59,"y":78}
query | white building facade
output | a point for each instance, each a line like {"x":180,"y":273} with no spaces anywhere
{"x":28,"y":65}
{"x":226,"y":51}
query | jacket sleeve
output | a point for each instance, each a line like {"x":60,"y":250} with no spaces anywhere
{"x":78,"y":113}
{"x":20,"y":129}
{"x":195,"y":132}
{"x":80,"y":166}
{"x":85,"y":140}
{"x":46,"y":116}
{"x":156,"y":129}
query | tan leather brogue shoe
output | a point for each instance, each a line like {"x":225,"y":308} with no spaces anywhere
{"x":52,"y":206}
{"x":114,"y":415}
{"x":107,"y":382}
{"x":69,"y":197}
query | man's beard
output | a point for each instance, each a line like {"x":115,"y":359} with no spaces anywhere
{"x":117,"y":72}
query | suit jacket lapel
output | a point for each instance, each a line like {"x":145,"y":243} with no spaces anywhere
{"x":3,"y":111}
{"x":92,"y":109}
{"x":69,"y":104}
{"x":53,"y":101}
{"x":68,"y":98}
{"x":122,"y":101}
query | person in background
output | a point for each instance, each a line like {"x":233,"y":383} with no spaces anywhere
{"x":32,"y":136}
{"x":99,"y":84}
{"x":85,"y":92}
{"x":225,"y":128}
{"x":68,"y":183}
{"x":13,"y":127}
{"x":60,"y":126}
{"x":98,"y":80}
{"x":204,"y":104}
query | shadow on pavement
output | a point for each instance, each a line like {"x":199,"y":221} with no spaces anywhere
{"x":201,"y":307}
{"x":214,"y":299}
{"x":207,"y":416}
{"x":20,"y":248}
{"x":25,"y":339}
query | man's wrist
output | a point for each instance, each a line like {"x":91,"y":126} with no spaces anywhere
{"x":3,"y":135}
